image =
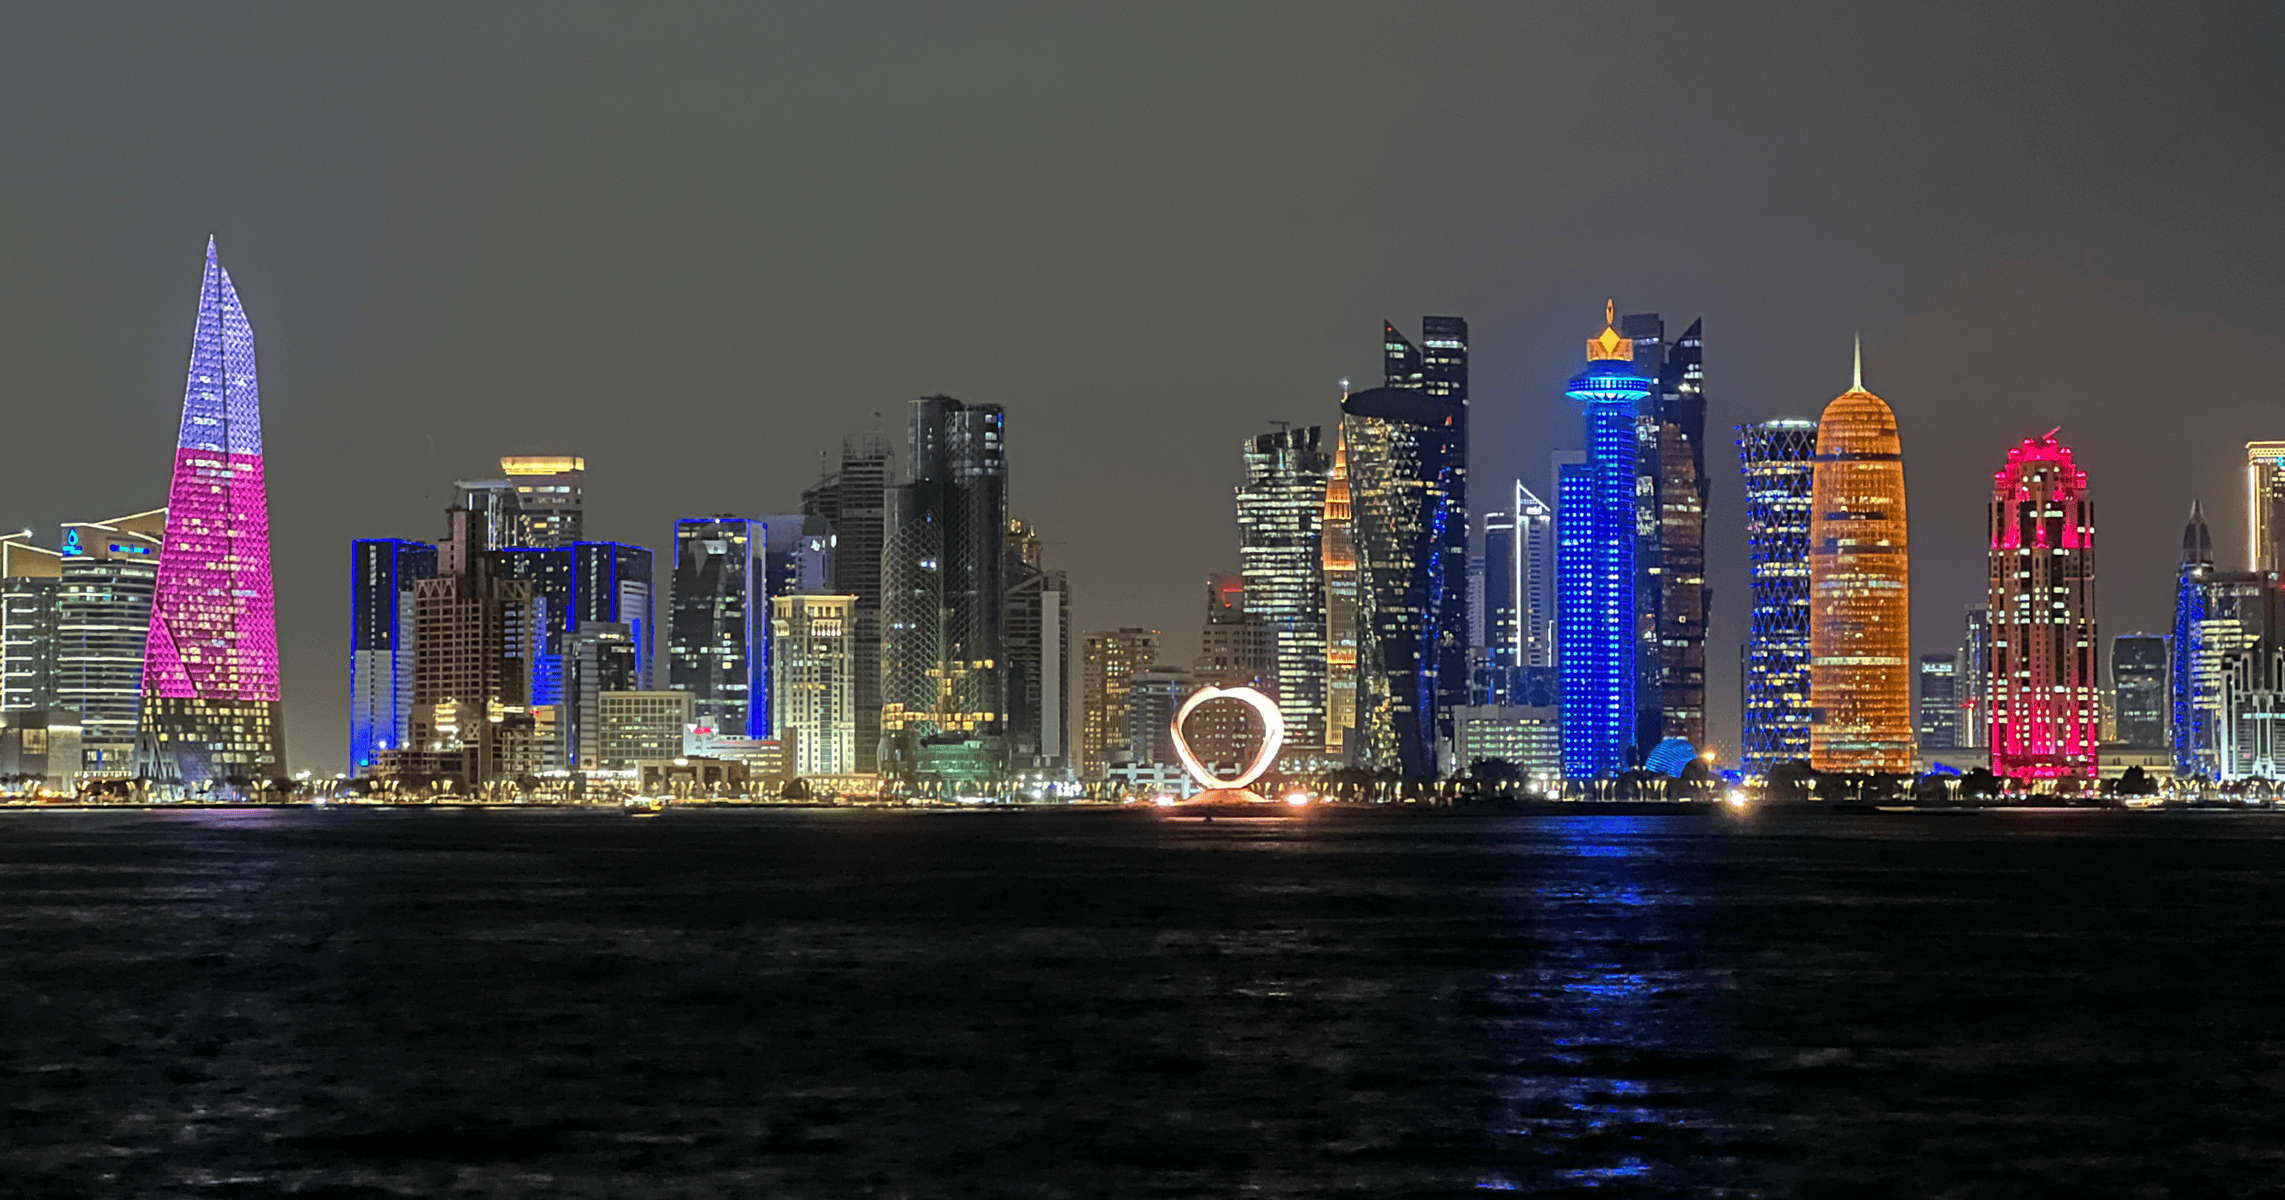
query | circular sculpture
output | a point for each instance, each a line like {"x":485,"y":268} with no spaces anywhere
{"x":1273,"y":737}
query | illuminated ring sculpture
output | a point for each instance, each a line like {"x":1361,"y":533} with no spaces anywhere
{"x":1273,"y":737}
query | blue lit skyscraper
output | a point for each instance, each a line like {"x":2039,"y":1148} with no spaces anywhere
{"x":2217,"y":615}
{"x":382,"y":572}
{"x":1778,"y":459}
{"x":1596,"y":534}
{"x":717,"y":624}
{"x":600,"y":582}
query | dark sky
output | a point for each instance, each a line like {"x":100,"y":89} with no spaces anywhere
{"x":698,"y":244}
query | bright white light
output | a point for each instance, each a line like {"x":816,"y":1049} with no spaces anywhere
{"x":1273,"y":736}
{"x":1163,"y":800}
{"x":1736,"y":798}
{"x":1298,"y":799}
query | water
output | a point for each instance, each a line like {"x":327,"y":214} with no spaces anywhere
{"x":373,"y":1004}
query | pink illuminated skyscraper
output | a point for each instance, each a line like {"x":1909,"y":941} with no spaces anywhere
{"x":210,"y":674}
{"x":2045,"y":709}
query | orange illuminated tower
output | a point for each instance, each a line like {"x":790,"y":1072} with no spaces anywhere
{"x":1860,"y":611}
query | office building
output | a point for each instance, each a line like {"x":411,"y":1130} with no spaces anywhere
{"x":852,"y":500}
{"x":1407,"y":453}
{"x":2217,"y":616}
{"x":717,"y":630}
{"x":1939,"y":713}
{"x":1971,"y":681}
{"x":110,"y":573}
{"x":1528,"y":736}
{"x":2265,"y":505}
{"x":382,"y":575}
{"x":796,"y":553}
{"x":1338,"y":532}
{"x":1108,"y":663}
{"x":598,"y":657}
{"x":2138,"y":675}
{"x":944,"y":584}
{"x":477,"y":637}
{"x":550,"y":499}
{"x":39,"y":748}
{"x":1533,"y":581}
{"x":1153,"y":697}
{"x":1281,"y":554}
{"x":816,"y":673}
{"x":1235,"y":651}
{"x":640,"y":726}
{"x":1778,"y":458}
{"x":1860,"y":611}
{"x":1599,"y":616}
{"x":31,"y":583}
{"x":605,"y":582}
{"x":1038,"y":625}
{"x":211,"y":711}
{"x":495,"y":511}
{"x":1670,"y":564}
{"x":2045,"y":691}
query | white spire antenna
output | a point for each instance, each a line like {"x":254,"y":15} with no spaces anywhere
{"x":1856,"y":381}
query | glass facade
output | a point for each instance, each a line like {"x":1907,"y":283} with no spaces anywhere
{"x":1597,"y":535}
{"x":1778,"y":458}
{"x":2265,"y":505}
{"x":1110,"y":661}
{"x":210,"y":677}
{"x":1939,"y":715}
{"x":1860,"y":610}
{"x":2217,"y":615}
{"x":2045,"y":690}
{"x":382,"y":572}
{"x":550,"y":494}
{"x":31,"y":580}
{"x":1341,"y":583}
{"x":110,"y":572}
{"x":717,"y":635}
{"x":1281,"y":555}
{"x":2138,"y":674}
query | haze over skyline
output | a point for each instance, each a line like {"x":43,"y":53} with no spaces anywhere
{"x":697,"y":247}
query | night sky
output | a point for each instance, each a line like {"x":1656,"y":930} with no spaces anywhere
{"x":696,"y":245}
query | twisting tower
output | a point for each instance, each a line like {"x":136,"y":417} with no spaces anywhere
{"x":210,"y":677}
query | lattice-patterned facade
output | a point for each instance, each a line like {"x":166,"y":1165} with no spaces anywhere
{"x":210,"y":677}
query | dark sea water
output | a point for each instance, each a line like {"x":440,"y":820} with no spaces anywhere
{"x":824,"y":1004}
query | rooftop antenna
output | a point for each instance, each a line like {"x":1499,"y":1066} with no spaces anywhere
{"x":1856,"y":382}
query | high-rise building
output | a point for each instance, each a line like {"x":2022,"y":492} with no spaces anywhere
{"x":598,"y":657}
{"x":606,"y":582}
{"x":1534,"y":585}
{"x":31,"y":581}
{"x":211,"y":710}
{"x":382,"y":575}
{"x":944,"y":578}
{"x":1281,"y":554}
{"x":717,"y":628}
{"x":1235,"y":650}
{"x":103,"y":624}
{"x":1671,"y":491}
{"x":1598,"y":537}
{"x":1038,"y":625}
{"x":1778,"y":458}
{"x":1939,"y":718}
{"x":1153,"y":697}
{"x":1860,"y":610}
{"x":1338,"y":532}
{"x":2217,"y":616}
{"x":550,"y":499}
{"x":2046,"y":687}
{"x":2249,"y":733}
{"x":1972,"y":680}
{"x":2265,"y":505}
{"x":1109,"y":662}
{"x":1407,"y":453}
{"x":1499,"y":610}
{"x":2138,"y":675}
{"x":816,"y":673}
{"x":853,"y":500}
{"x":477,"y":637}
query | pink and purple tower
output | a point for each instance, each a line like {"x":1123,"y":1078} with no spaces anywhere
{"x":211,"y":712}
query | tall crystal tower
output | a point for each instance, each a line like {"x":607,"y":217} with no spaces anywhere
{"x":2046,"y":708}
{"x":1596,"y":537}
{"x":1779,"y":460}
{"x":210,"y":678}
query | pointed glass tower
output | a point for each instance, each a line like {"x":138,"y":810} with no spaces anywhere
{"x":211,"y":709}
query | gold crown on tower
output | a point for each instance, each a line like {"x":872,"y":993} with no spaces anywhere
{"x":1608,"y":346}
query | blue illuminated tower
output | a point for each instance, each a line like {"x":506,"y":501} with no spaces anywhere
{"x":1595,"y":564}
{"x":382,"y":573}
{"x":2190,"y":728}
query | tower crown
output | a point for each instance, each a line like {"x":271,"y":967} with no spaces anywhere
{"x":1610,"y":345}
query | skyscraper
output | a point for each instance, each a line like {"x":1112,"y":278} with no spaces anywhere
{"x":1499,"y":611}
{"x":211,"y":707}
{"x":477,"y":638}
{"x":1110,"y":661}
{"x":816,"y":680}
{"x":944,"y":584}
{"x":1338,"y":532}
{"x":1972,"y":681}
{"x":1779,"y":460}
{"x":31,"y":581}
{"x":2265,"y":505}
{"x":1235,"y":650}
{"x":1598,"y":536}
{"x":103,"y":625}
{"x":717,"y":624}
{"x":598,"y":657}
{"x":550,"y":499}
{"x":853,"y":500}
{"x":1407,"y":454}
{"x":1038,"y":624}
{"x":2138,"y":673}
{"x":382,"y":575}
{"x":2217,"y":616}
{"x":1535,"y":568}
{"x":1860,"y":605}
{"x":1281,"y":554}
{"x":1939,"y":717}
{"x":606,"y":582}
{"x":2045,"y":692}
{"x":1671,"y":494}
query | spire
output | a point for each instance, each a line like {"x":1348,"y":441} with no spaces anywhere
{"x":1610,"y":345}
{"x":1856,"y":376}
{"x":2197,"y":540}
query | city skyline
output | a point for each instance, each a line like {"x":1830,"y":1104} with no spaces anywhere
{"x":407,"y":343}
